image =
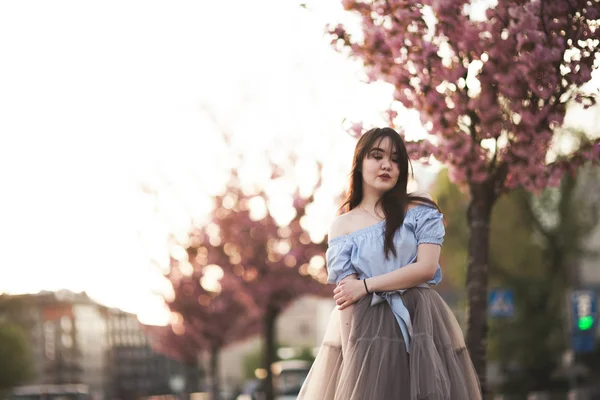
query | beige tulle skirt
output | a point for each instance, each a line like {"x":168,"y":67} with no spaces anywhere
{"x":363,"y":355}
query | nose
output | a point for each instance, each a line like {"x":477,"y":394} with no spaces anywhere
{"x":386,"y":164}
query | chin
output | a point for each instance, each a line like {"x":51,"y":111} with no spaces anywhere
{"x":383,"y":188}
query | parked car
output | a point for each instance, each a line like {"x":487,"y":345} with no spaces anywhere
{"x":50,"y":392}
{"x":289,"y":377}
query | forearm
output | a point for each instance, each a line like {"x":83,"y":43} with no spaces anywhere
{"x":352,"y":276}
{"x":406,"y":277}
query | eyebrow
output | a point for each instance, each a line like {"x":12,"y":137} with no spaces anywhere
{"x":380,"y":149}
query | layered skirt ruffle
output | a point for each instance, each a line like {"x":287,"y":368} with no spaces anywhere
{"x":364,"y":357}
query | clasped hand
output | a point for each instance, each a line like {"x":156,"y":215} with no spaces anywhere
{"x":348,"y":292}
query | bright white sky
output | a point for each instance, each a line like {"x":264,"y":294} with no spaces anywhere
{"x":97,"y":97}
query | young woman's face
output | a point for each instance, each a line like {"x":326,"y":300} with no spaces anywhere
{"x":380,"y":168}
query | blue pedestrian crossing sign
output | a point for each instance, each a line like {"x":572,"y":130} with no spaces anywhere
{"x":501,"y":303}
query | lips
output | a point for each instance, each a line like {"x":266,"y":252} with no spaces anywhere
{"x":384,"y":176}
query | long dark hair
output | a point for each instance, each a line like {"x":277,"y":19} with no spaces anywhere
{"x":395,"y":201}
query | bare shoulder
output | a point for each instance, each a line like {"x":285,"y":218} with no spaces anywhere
{"x":341,"y":225}
{"x":422,"y":193}
{"x":419,"y":193}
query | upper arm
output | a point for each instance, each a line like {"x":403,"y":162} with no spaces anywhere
{"x":429,"y":254}
{"x":338,"y":255}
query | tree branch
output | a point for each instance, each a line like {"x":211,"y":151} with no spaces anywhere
{"x":589,"y":151}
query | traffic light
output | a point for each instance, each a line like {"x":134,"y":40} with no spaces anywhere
{"x":585,"y":323}
{"x":584,"y":313}
{"x":585,"y":309}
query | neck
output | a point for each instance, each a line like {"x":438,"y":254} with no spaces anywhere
{"x":370,"y":200}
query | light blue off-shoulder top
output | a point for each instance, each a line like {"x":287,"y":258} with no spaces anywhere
{"x":361,"y":253}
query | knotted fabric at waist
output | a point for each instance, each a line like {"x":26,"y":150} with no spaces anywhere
{"x":400,"y":311}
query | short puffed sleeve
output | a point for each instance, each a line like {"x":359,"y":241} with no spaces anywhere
{"x":339,"y":260}
{"x":429,"y":225}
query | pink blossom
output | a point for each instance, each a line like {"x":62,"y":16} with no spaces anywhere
{"x":357,"y":129}
{"x":524,"y":46}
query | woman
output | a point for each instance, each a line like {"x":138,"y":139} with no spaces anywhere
{"x":391,"y":336}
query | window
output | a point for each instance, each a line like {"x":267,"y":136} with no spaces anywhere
{"x":66,"y":324}
{"x":67,"y":340}
{"x":50,"y":340}
{"x":304,"y":329}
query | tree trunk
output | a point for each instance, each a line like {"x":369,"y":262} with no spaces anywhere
{"x":270,"y":349}
{"x":193,"y":376}
{"x":214,"y":372}
{"x":479,"y":215}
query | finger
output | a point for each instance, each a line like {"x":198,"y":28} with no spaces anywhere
{"x":343,"y":305}
{"x":337,"y":296}
{"x":344,"y":298}
{"x":337,"y":289}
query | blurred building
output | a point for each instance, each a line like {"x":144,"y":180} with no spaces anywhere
{"x":135,"y":369}
{"x":129,"y":358}
{"x":75,"y":340}
{"x":67,"y":334}
{"x":303,"y":324}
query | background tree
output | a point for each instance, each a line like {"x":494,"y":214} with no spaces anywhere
{"x":517,"y":262}
{"x":210,"y":310}
{"x":536,"y":265}
{"x":235,"y":273}
{"x":15,"y":358}
{"x":276,"y":263}
{"x":563,"y":220}
{"x":491,"y":90}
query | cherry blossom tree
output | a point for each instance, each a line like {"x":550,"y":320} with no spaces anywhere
{"x":210,"y":309}
{"x":275,"y":262}
{"x":238,"y":270}
{"x":490,"y":91}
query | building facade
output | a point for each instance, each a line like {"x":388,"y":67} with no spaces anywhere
{"x":75,"y":340}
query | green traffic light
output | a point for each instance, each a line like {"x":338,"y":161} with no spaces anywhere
{"x":585,"y":323}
